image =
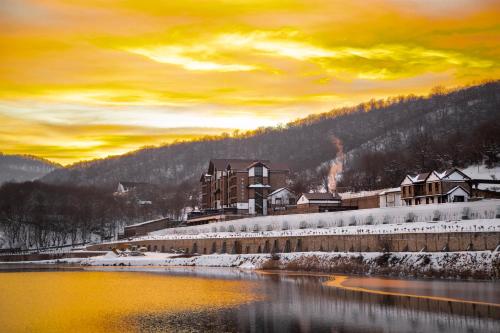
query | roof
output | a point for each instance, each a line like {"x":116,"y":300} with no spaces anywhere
{"x":223,"y":163}
{"x":455,"y":188}
{"x":321,"y":196}
{"x":279,"y":190}
{"x":421,"y":177}
{"x":361,"y":194}
{"x":242,"y":164}
{"x":259,"y":186}
{"x":147,"y":222}
{"x":450,"y":171}
{"x":203,"y":175}
{"x":391,"y":190}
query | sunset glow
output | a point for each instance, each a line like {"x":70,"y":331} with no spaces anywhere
{"x":88,"y":78}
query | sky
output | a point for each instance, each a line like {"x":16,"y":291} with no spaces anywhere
{"x":85,"y":79}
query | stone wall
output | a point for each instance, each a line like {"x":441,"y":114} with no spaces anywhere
{"x":411,"y":242}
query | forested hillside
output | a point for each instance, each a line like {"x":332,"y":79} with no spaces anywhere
{"x":19,"y":168}
{"x":383,"y":140}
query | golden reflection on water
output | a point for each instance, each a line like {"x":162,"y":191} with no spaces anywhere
{"x":340,"y":281}
{"x":105,"y":301}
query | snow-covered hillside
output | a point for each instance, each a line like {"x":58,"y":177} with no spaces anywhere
{"x":482,"y":172}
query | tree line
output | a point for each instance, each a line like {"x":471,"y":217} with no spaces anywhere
{"x":36,"y":215}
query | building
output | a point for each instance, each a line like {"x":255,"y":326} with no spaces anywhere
{"x":436,"y":187}
{"x":319,"y":202}
{"x":142,"y":193}
{"x":281,"y":199}
{"x":390,"y":198}
{"x":361,"y":200}
{"x":126,"y":187}
{"x":241,"y":186}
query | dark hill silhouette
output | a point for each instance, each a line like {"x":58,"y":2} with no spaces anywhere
{"x":383,"y":140}
{"x":19,"y":168}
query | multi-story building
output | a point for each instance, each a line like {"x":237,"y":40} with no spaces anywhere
{"x":436,"y":187}
{"x":241,"y":184}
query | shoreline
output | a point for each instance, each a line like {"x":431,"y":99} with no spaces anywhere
{"x":471,"y":265}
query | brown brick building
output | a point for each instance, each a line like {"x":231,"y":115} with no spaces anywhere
{"x":436,"y":187}
{"x":241,"y":184}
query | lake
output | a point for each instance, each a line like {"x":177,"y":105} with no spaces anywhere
{"x":229,"y":300}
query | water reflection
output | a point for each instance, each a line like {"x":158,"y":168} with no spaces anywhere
{"x":221,"y":300}
{"x":107,"y":301}
{"x":297,"y":303}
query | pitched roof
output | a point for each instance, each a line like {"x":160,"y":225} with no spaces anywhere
{"x":421,"y":177}
{"x":222,"y":163}
{"x":279,"y":190}
{"x":242,"y":164}
{"x":452,"y":170}
{"x":321,"y":196}
{"x":456,"y":187}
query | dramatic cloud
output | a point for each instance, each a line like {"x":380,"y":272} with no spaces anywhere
{"x":88,"y":78}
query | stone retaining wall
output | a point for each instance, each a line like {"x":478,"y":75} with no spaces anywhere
{"x":414,"y":242}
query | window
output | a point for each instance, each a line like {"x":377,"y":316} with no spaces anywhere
{"x":259,"y":171}
{"x":429,"y":187}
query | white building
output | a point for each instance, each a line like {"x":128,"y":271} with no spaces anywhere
{"x":390,"y":198}
{"x":280,"y":198}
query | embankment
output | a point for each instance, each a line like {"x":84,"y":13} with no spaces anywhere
{"x":250,"y":243}
{"x":484,"y":265}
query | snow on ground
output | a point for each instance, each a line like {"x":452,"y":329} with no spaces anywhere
{"x":465,"y":265}
{"x":491,"y":225}
{"x":352,"y":195}
{"x":51,"y":261}
{"x":480,"y":264}
{"x":482,"y":172}
{"x":479,"y":210}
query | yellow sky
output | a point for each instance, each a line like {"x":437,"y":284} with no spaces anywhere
{"x":83,"y":79}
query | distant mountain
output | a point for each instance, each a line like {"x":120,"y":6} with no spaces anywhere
{"x":19,"y":168}
{"x":382,"y":141}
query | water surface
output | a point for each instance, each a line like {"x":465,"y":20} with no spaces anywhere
{"x":225,"y":300}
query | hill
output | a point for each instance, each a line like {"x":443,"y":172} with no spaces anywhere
{"x":382,"y":140}
{"x":19,"y":168}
